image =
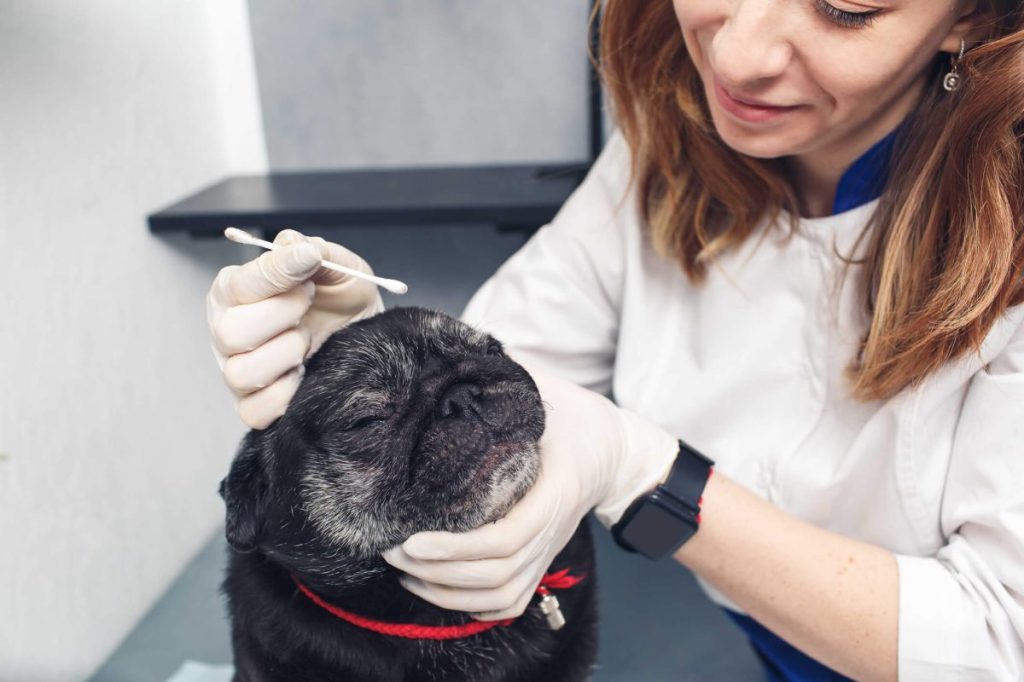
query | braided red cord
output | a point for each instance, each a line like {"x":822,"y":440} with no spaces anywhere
{"x":558,"y":580}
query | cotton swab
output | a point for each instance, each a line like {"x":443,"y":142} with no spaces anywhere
{"x":392,"y":285}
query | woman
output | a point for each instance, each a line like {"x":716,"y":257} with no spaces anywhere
{"x":820,"y":292}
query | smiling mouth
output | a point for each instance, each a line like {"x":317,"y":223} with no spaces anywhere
{"x":750,"y":113}
{"x":759,"y":105}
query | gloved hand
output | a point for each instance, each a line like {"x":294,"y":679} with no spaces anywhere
{"x":270,"y":314}
{"x":593,"y":455}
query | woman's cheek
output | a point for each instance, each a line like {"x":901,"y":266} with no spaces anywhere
{"x":857,"y":82}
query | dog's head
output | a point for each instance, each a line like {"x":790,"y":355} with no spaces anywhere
{"x":407,"y":421}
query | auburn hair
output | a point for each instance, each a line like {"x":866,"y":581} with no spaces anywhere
{"x":946,"y":252}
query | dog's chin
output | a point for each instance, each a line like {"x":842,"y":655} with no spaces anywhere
{"x":497,"y":483}
{"x":482,"y":491}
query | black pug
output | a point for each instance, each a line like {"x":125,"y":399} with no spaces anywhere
{"x":407,"y":421}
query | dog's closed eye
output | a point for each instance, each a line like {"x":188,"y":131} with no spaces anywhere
{"x":368,"y":420}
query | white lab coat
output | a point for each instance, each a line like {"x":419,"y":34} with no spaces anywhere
{"x":747,"y":368}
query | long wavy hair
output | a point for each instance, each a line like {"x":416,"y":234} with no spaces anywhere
{"x":946,"y":252}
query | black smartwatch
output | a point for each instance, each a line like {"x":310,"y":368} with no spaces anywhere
{"x":658,"y":523}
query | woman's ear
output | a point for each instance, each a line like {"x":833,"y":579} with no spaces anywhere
{"x":968,"y":26}
{"x":245,"y":494}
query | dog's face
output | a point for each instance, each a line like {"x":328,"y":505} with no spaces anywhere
{"x":403,"y":422}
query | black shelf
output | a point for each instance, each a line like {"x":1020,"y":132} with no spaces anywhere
{"x":510,"y":197}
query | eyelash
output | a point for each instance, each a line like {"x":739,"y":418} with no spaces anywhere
{"x":847,"y":19}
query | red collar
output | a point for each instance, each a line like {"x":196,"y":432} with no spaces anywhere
{"x":558,"y":580}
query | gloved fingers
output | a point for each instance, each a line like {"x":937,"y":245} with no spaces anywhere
{"x":272,"y":273}
{"x":527,"y":520}
{"x":338,"y":293}
{"x":478,"y":574}
{"x":514,"y":611}
{"x":290,"y":236}
{"x":260,"y":409}
{"x":354,"y":298}
{"x":336,"y":253}
{"x":244,"y":327}
{"x":477,"y":601}
{"x":249,"y":372}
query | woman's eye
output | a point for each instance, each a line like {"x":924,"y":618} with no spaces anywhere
{"x":844,"y":18}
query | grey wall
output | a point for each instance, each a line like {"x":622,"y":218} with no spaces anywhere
{"x":115,"y":424}
{"x":421,"y":82}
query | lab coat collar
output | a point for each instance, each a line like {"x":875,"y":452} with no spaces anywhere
{"x":865,"y":179}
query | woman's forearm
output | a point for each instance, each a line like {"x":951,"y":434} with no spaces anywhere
{"x":834,"y":598}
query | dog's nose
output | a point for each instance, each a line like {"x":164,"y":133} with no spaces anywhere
{"x":460,"y":399}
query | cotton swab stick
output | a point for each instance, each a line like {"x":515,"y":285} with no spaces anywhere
{"x":392,"y":285}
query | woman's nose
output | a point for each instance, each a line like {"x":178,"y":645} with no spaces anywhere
{"x":752,"y":43}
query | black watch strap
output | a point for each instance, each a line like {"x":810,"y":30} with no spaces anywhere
{"x":688,"y":476}
{"x":659,"y":522}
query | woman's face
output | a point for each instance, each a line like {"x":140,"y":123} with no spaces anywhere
{"x":848,"y":70}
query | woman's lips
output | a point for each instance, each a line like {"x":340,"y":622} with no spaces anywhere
{"x":750,"y":113}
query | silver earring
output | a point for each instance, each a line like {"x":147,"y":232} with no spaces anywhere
{"x":952,"y":80}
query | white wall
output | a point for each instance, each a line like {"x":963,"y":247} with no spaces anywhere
{"x":115,"y":427}
{"x":419,"y":82}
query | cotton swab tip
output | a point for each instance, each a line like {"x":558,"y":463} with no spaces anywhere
{"x":395,"y":287}
{"x":236,"y":235}
{"x":243,"y":237}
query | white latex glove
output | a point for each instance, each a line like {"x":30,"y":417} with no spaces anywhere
{"x":593,"y":455}
{"x":270,"y":314}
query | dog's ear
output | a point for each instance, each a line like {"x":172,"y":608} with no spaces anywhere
{"x":245,"y":495}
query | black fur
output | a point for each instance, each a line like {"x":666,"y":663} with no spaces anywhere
{"x":403,"y":422}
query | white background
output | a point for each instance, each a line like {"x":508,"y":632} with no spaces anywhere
{"x":114,"y":423}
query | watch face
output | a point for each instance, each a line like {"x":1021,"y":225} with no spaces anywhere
{"x":657,"y":526}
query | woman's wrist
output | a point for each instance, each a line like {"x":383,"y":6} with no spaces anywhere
{"x":658,"y":522}
{"x":640,"y":459}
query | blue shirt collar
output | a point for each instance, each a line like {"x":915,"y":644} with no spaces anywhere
{"x":865,"y":179}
